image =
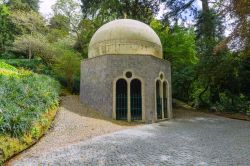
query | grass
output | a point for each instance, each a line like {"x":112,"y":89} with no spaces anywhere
{"x":28,"y":104}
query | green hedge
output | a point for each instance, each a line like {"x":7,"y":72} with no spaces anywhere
{"x":24,"y":96}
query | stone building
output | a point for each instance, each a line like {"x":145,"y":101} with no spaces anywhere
{"x":125,"y":76}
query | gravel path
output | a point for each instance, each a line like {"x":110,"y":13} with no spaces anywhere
{"x":191,"y":139}
{"x":74,"y":123}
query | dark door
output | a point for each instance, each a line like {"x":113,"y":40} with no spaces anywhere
{"x":158,"y":100}
{"x":121,"y":100}
{"x":165,"y":99}
{"x":136,"y":100}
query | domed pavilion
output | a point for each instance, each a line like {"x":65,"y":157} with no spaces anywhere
{"x":125,"y":75}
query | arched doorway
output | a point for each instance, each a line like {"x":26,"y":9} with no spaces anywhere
{"x":158,"y":100}
{"x":121,"y":99}
{"x":165,"y":99}
{"x":136,"y":99}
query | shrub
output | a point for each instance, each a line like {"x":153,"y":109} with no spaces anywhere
{"x":35,"y":65}
{"x":7,"y":66}
{"x":66,"y":65}
{"x":232,"y":103}
{"x":24,"y":96}
{"x":67,"y":68}
{"x":11,"y":55}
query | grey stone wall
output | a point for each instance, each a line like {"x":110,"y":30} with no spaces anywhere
{"x":98,"y":74}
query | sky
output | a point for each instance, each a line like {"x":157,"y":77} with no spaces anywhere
{"x":45,"y":7}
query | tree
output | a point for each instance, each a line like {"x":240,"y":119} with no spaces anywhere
{"x":178,"y":44}
{"x":239,"y":12}
{"x":31,"y":45}
{"x":60,"y":22}
{"x":235,"y":14}
{"x":28,"y":22}
{"x":59,"y":28}
{"x":6,"y":37}
{"x":71,"y":10}
{"x":25,"y":5}
{"x":87,"y":28}
{"x":179,"y":10}
{"x":209,"y":34}
{"x":67,"y":63}
{"x":107,"y":10}
{"x":179,"y":48}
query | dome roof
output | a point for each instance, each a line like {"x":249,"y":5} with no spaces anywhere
{"x":125,"y":37}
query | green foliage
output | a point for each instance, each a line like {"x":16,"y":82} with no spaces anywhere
{"x":7,"y":66}
{"x":11,"y":55}
{"x":179,"y":48}
{"x":244,"y":75}
{"x":25,"y":5}
{"x":28,"y":22}
{"x":35,"y":65}
{"x":87,"y":28}
{"x":6,"y":37}
{"x":107,"y":10}
{"x":60,"y":22}
{"x":178,"y":44}
{"x":24,"y":96}
{"x":55,"y":34}
{"x":10,"y":145}
{"x":70,"y":9}
{"x":67,"y":66}
{"x":230,"y":103}
{"x":32,"y":44}
{"x":59,"y":28}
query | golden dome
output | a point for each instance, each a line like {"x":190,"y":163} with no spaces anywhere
{"x":125,"y":37}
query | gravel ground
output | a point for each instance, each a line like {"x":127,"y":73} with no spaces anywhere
{"x":190,"y":139}
{"x":74,"y":122}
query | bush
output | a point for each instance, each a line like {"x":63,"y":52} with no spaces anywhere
{"x":24,"y":96}
{"x":11,"y":55}
{"x":35,"y":65}
{"x":231,"y":103}
{"x":7,"y":66}
{"x":66,"y":66}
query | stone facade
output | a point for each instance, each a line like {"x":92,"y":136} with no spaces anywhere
{"x":98,"y":77}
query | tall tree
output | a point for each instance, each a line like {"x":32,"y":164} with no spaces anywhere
{"x":6,"y":36}
{"x":71,"y":10}
{"x":26,"y":5}
{"x":179,"y":48}
{"x":28,"y":22}
{"x":106,"y":10}
{"x":59,"y":27}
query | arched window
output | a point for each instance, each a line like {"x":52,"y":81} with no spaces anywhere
{"x":136,"y":99}
{"x":121,"y":99}
{"x":165,"y":99}
{"x":158,"y":100}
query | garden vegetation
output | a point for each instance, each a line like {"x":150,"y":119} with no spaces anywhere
{"x":28,"y":104}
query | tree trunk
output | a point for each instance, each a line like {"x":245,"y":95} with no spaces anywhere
{"x":205,"y":7}
{"x":200,"y":96}
{"x":214,"y":94}
{"x":207,"y":30}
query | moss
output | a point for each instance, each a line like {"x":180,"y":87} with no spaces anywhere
{"x":11,"y":146}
